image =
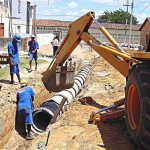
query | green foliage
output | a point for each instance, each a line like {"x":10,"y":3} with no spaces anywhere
{"x":117,"y":16}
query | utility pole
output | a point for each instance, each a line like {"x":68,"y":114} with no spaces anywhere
{"x":127,"y":5}
{"x":34,"y":18}
{"x":132,"y":4}
{"x":1,"y":17}
{"x":10,"y":19}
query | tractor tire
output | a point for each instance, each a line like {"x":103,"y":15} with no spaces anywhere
{"x":137,"y":105}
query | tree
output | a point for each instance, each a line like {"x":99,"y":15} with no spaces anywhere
{"x":117,"y":16}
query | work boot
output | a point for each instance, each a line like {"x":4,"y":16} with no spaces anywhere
{"x":29,"y":70}
{"x":29,"y":137}
{"x":36,"y":67}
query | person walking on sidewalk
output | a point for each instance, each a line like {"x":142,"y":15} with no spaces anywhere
{"x":14,"y":57}
{"x":25,"y":97}
{"x":33,"y":53}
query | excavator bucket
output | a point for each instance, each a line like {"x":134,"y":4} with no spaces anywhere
{"x":59,"y":78}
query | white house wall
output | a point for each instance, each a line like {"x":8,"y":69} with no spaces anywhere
{"x":44,"y":39}
{"x":23,"y":15}
{"x":4,"y":19}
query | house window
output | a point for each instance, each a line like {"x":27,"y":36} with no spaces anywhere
{"x":121,"y":36}
{"x":136,"y":37}
{"x":18,"y":29}
{"x":19,"y":6}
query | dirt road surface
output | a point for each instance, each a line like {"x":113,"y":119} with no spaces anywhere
{"x":103,"y":86}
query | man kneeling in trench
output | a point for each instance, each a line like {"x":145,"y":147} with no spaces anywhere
{"x":25,"y":97}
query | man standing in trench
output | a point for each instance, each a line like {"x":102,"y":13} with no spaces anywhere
{"x":25,"y":97}
{"x":33,"y":47}
{"x":14,"y":57}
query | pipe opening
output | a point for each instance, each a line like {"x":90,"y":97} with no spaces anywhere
{"x":44,"y":118}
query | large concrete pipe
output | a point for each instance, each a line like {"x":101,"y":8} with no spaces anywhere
{"x":42,"y":116}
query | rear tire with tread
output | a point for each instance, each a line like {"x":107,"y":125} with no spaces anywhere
{"x":138,"y":85}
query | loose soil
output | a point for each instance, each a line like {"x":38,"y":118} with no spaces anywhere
{"x":103,"y":86}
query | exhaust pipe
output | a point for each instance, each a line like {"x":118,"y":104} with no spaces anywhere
{"x":43,"y":115}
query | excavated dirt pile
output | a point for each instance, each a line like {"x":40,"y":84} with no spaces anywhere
{"x":103,"y":86}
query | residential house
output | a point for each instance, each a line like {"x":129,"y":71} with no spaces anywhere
{"x":21,"y":11}
{"x":145,"y":33}
{"x":4,"y":21}
{"x":19,"y":16}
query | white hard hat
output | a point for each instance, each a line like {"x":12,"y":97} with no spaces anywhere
{"x":32,"y":36}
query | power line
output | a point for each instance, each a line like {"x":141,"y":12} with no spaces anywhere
{"x":57,"y":15}
{"x":143,"y":9}
{"x":52,"y":15}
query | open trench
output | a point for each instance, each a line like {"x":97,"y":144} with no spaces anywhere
{"x":7,"y":117}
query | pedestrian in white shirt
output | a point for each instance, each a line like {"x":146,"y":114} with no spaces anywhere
{"x":55,"y":45}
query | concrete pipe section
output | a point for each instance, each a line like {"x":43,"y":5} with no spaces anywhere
{"x":42,"y":116}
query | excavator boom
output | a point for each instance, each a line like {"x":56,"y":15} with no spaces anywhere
{"x":59,"y":76}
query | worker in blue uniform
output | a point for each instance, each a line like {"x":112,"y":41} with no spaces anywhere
{"x":25,"y":97}
{"x":14,"y":57}
{"x":33,"y":53}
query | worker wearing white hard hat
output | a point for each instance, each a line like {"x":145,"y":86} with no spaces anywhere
{"x":32,"y":36}
{"x":33,"y":53}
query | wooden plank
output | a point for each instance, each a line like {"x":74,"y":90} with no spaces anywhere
{"x":58,"y":110}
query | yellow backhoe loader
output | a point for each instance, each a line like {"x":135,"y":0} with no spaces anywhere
{"x":134,"y":67}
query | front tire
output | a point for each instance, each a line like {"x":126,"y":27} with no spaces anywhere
{"x":138,"y":105}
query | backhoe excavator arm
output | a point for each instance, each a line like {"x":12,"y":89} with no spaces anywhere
{"x":111,"y":55}
{"x":70,"y":42}
{"x":78,"y":30}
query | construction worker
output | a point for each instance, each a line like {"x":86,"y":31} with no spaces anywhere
{"x":25,"y":97}
{"x":33,"y":53}
{"x":55,"y":44}
{"x":14,"y":57}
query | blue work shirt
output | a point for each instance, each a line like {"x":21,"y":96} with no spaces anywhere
{"x":24,"y":97}
{"x":33,"y":46}
{"x":13,"y":52}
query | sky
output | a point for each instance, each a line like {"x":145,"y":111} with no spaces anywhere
{"x":70,"y":10}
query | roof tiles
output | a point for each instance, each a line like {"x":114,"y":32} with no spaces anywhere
{"x":58,"y":23}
